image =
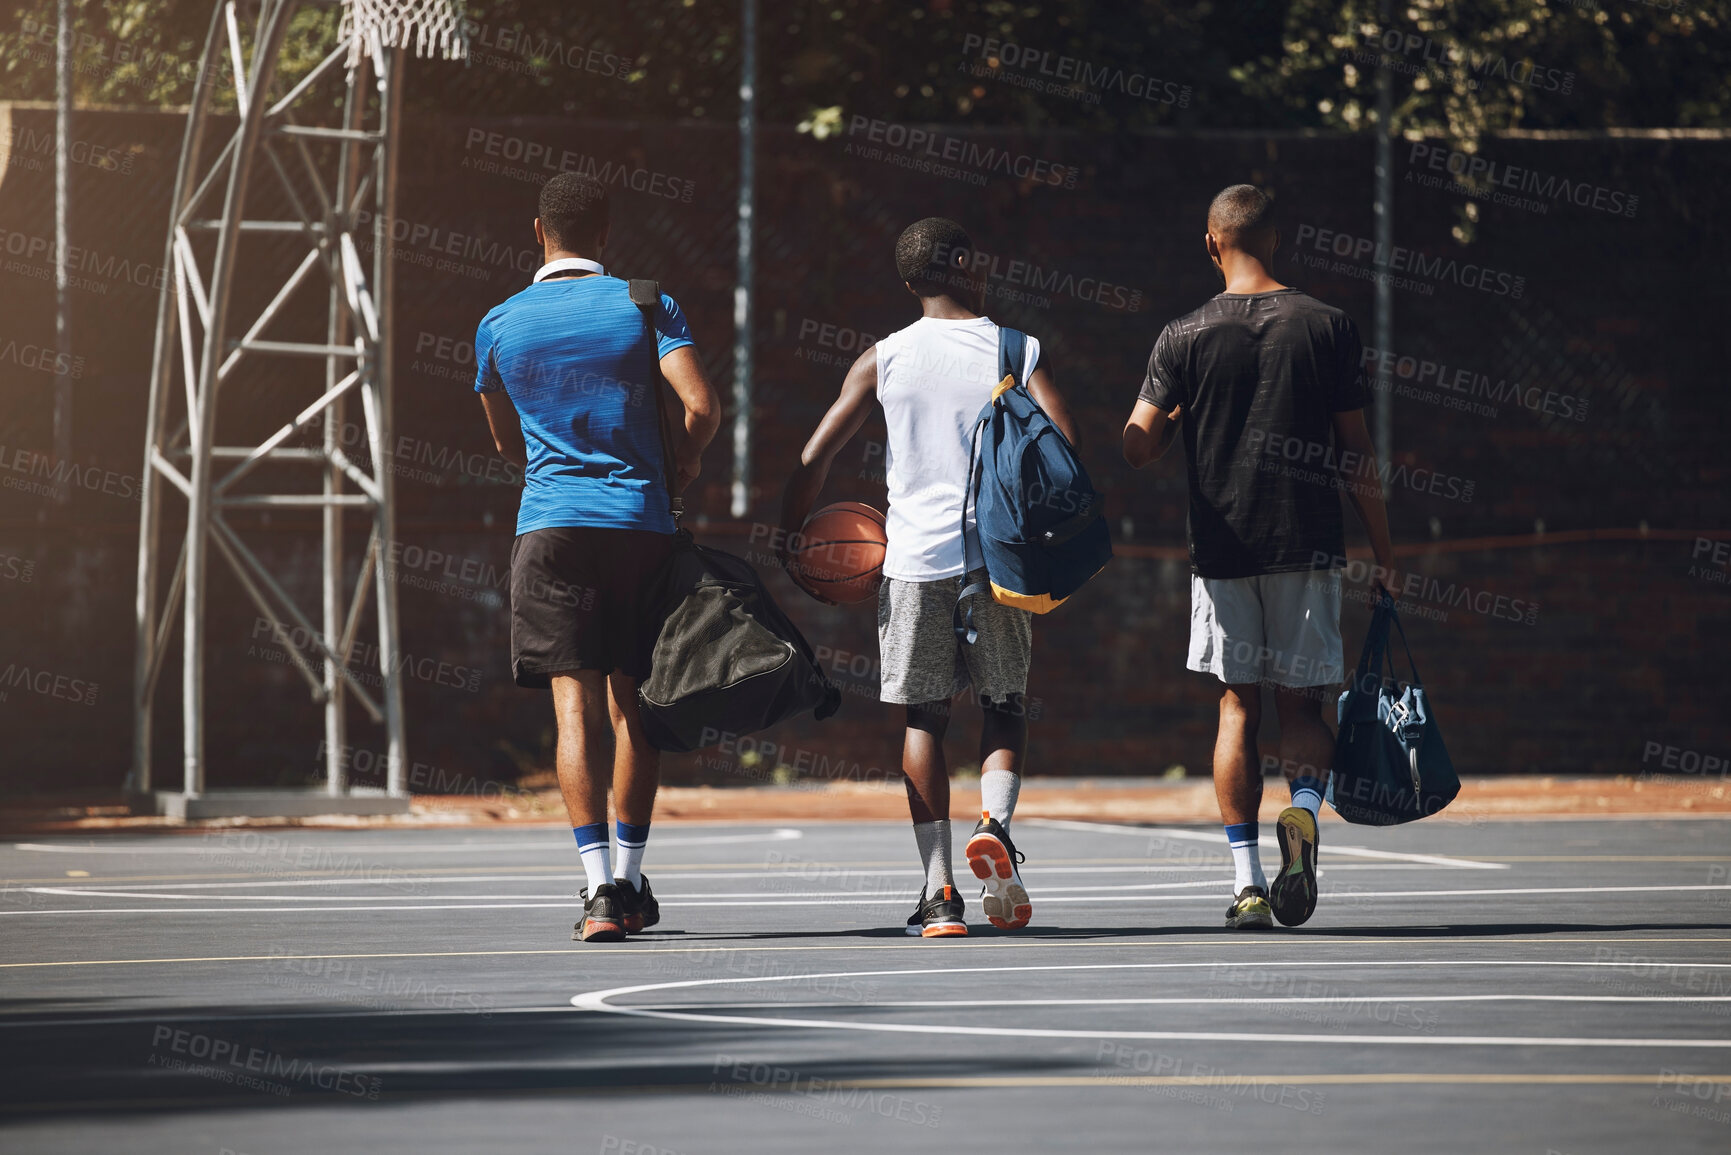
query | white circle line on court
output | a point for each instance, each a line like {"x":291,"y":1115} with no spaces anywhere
{"x":597,"y":1001}
{"x":233,"y":844}
{"x":1354,"y":896}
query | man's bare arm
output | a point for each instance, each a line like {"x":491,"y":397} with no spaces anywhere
{"x":1358,"y":470}
{"x":691,"y":436}
{"x":1045,"y":393}
{"x":1150,"y":432}
{"x":836,"y":429}
{"x":507,"y":428}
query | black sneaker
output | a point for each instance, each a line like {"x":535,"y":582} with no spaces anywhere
{"x":993,"y":858}
{"x":1249,"y":911}
{"x":602,"y":919}
{"x":939,"y":916}
{"x":1293,"y":892}
{"x":638,"y":906}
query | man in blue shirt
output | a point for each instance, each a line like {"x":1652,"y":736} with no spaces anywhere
{"x":566,"y":372}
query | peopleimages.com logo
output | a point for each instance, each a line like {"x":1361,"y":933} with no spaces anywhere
{"x":1386,"y":260}
{"x":941,"y":154}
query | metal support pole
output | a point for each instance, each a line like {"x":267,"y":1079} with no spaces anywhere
{"x":1383,"y":328}
{"x":62,"y":246}
{"x":742,"y":304}
{"x":146,"y":609}
{"x":202,"y":425}
{"x":384,"y":290}
{"x":335,"y":416}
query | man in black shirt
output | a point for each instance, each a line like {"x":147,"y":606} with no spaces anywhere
{"x":1264,"y":385}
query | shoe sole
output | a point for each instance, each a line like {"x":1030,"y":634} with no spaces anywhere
{"x":1005,"y":901}
{"x":1258,"y":920}
{"x":944,"y":930}
{"x":593,"y":930}
{"x":1292,"y":896}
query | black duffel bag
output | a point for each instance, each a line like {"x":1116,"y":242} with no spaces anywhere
{"x":727,"y":661}
{"x":1390,"y":764}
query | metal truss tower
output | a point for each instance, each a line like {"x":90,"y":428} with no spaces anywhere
{"x":331,"y":154}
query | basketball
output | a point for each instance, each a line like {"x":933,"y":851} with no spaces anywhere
{"x":840,"y":552}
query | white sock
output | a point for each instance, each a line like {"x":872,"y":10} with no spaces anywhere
{"x":632,"y":841}
{"x":596,"y":867}
{"x":1246,"y":857}
{"x":998,"y":791}
{"x":933,"y":839}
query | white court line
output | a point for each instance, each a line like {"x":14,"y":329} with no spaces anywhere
{"x":597,"y":1001}
{"x":678,"y":899}
{"x":851,"y":901}
{"x":779,"y":834}
{"x":795,"y":874}
{"x":1216,"y":839}
{"x":1343,"y":1001}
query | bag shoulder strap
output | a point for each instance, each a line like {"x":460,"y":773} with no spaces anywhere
{"x":646,"y":295}
{"x":1012,"y":352}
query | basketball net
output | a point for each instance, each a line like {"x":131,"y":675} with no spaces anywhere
{"x":436,"y":27}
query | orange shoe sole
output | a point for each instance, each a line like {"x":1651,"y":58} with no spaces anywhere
{"x":1005,"y":902}
{"x":594,"y":931}
{"x":952,"y":930}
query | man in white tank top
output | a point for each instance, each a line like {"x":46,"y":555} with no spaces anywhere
{"x":932,"y":379}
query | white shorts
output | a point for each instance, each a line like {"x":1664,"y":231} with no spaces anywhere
{"x":1279,"y":628}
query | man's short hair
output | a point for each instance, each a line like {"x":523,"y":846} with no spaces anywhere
{"x":573,"y":210}
{"x":926,"y":253}
{"x":1241,"y":215}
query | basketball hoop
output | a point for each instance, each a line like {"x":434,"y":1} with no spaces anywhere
{"x":435,"y":26}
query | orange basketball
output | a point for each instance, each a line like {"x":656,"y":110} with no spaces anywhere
{"x":840,"y":552}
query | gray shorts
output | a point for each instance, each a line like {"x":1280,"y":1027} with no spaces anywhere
{"x":1279,"y":628}
{"x":923,"y":661}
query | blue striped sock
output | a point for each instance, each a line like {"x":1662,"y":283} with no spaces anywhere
{"x":592,"y":847}
{"x":1307,"y":792}
{"x":1246,"y":857}
{"x":632,"y":840}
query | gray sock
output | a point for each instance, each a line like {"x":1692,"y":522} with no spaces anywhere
{"x":998,"y":791}
{"x":933,"y":839}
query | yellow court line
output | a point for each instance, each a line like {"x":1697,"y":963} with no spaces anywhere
{"x":1226,"y":1082}
{"x":940,"y":944}
{"x":1595,"y":857}
{"x":1229,"y":1082}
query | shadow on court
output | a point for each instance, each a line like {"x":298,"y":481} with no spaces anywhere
{"x":247,"y":1057}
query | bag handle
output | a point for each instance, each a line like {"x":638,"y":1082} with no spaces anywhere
{"x":1385,"y":608}
{"x":646,"y":295}
{"x":1012,"y":351}
{"x":1380,"y":654}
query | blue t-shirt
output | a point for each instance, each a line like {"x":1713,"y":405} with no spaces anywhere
{"x":573,"y":355}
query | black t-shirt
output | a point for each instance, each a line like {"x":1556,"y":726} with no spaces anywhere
{"x":1260,"y":377}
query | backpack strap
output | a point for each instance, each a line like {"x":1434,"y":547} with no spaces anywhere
{"x":646,"y":295}
{"x":1012,"y":352}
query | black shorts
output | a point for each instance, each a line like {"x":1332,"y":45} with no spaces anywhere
{"x":579,"y":601}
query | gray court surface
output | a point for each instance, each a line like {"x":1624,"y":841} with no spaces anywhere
{"x":1545,"y":987}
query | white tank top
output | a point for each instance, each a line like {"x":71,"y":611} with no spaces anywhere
{"x":934,"y":377}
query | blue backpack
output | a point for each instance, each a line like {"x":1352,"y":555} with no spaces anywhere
{"x":1037,"y":515}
